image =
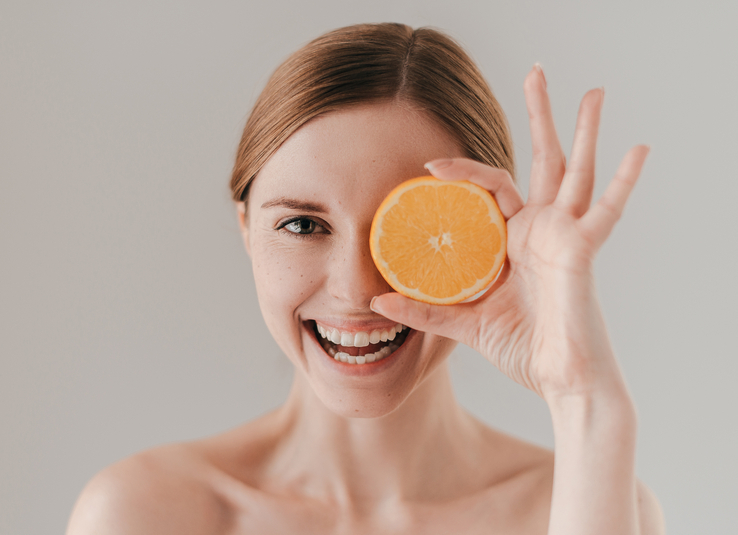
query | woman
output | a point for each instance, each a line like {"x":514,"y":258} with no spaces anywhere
{"x":384,"y":447}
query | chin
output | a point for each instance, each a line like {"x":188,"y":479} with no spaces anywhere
{"x":355,"y":403}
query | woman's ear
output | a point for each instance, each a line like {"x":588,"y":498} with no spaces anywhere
{"x":243,"y":225}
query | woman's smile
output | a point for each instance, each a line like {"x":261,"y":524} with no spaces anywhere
{"x":355,"y":354}
{"x":362,"y":347}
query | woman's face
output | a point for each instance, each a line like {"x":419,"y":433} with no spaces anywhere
{"x":309,"y":214}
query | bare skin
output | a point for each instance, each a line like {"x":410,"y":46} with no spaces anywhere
{"x":385,"y":448}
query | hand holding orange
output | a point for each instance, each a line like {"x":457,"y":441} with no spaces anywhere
{"x":438,"y":241}
{"x":543,"y":326}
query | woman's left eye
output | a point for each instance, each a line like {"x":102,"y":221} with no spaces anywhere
{"x":301,"y":226}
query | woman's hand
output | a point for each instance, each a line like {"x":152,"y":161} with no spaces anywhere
{"x":541,"y":323}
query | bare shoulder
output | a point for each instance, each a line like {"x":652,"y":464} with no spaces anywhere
{"x":521,"y":483}
{"x":530,"y":484}
{"x":157,"y":491}
{"x":530,"y":463}
{"x":191,"y":488}
{"x":535,"y":478}
{"x":651,"y":517}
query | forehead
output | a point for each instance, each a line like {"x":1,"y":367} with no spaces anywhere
{"x":353,"y":157}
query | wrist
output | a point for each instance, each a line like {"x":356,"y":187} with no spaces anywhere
{"x":608,"y":410}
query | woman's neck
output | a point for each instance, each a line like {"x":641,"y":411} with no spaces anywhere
{"x":404,"y":455}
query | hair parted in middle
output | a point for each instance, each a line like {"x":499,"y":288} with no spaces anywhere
{"x":372,"y":63}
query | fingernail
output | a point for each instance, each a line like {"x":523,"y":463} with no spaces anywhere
{"x":371,"y":304}
{"x":437,"y":165}
{"x":538,"y":67}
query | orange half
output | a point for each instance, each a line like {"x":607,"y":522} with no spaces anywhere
{"x":438,"y":242}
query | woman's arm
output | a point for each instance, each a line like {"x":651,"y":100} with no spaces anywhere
{"x":594,"y":487}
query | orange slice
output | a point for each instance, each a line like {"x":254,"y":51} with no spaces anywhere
{"x":438,"y":242}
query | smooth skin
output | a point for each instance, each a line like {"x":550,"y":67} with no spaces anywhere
{"x":391,"y":451}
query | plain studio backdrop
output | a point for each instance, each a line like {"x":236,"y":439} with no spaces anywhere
{"x":128,"y":311}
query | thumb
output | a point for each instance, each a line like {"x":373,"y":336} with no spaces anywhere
{"x":443,"y":320}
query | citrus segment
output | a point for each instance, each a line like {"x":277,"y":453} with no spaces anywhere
{"x":438,"y":242}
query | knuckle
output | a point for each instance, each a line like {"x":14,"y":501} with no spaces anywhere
{"x":610,"y":208}
{"x":426,"y":313}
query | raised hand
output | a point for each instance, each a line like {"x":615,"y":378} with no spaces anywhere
{"x":541,"y":323}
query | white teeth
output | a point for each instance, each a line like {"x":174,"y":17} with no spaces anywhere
{"x":365,"y":359}
{"x":394,"y":331}
{"x":347,"y":339}
{"x":360,"y":339}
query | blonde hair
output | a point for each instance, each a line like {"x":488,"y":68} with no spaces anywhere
{"x":371,"y":63}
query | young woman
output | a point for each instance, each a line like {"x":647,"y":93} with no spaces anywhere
{"x":384,"y":447}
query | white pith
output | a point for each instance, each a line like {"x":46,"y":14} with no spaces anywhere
{"x":331,"y":335}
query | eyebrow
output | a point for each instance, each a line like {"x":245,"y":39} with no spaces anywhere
{"x":295,"y":204}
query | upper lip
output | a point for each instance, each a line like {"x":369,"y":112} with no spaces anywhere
{"x":355,"y":325}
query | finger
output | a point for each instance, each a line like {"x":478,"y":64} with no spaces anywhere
{"x":575,"y":194}
{"x":548,"y":158}
{"x":599,"y":221}
{"x":436,"y":319}
{"x":497,"y":181}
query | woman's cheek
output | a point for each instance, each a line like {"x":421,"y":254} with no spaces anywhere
{"x":286,"y":275}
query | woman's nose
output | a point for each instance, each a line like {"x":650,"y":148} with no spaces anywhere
{"x":353,"y":278}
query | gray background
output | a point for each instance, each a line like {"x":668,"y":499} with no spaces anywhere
{"x":128,"y":314}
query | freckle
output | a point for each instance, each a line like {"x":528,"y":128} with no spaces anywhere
{"x":356,"y":410}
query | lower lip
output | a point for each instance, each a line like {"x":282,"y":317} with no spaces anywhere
{"x":368,"y":368}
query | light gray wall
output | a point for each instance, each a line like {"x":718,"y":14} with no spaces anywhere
{"x":127,"y":311}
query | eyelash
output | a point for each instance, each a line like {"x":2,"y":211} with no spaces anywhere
{"x":281,"y":228}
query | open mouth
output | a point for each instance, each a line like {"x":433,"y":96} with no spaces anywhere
{"x":361,"y":347}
